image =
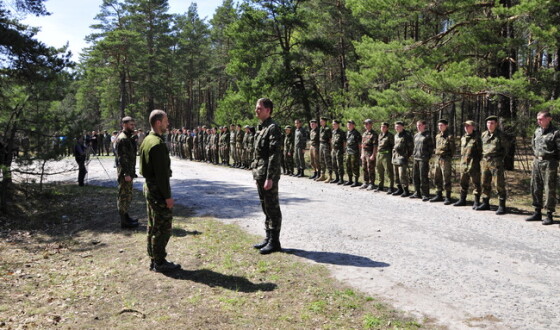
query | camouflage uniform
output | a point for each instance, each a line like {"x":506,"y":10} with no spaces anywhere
{"x":353,"y":140}
{"x":300,"y":144}
{"x":546,"y":148}
{"x":232,"y":150}
{"x":423,"y":149}
{"x":402,"y":150}
{"x":196,"y":146}
{"x":369,"y":146}
{"x":224,"y":141}
{"x":239,"y":145}
{"x":289,"y":153}
{"x":445,"y":148}
{"x":155,"y":166}
{"x":189,"y":147}
{"x":267,"y":166}
{"x":250,"y":151}
{"x":126,"y":153}
{"x":314,"y":149}
{"x":471,"y":152}
{"x":182,"y":143}
{"x":494,"y":150}
{"x":384,"y":153}
{"x":325,"y":135}
{"x":337,"y":143}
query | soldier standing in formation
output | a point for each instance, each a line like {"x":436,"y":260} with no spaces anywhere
{"x":300,"y":143}
{"x":224,"y":140}
{"x":353,"y":146}
{"x":126,"y":171}
{"x":384,"y":151}
{"x":338,"y":143}
{"x":266,"y":173}
{"x":239,"y":135}
{"x":232,"y":150}
{"x":546,"y":148}
{"x":190,"y":145}
{"x":314,"y":149}
{"x":404,"y":146}
{"x":325,"y":135}
{"x":369,"y":151}
{"x":289,"y":151}
{"x":423,"y":149}
{"x":445,"y":148}
{"x":471,"y":153}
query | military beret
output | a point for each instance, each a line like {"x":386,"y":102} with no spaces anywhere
{"x":385,"y":123}
{"x":313,"y":121}
{"x":443,"y":121}
{"x":351,"y":122}
{"x":399,"y":123}
{"x":324,"y":118}
{"x":336,"y":121}
{"x":127,"y":119}
{"x":491,"y":118}
{"x":288,"y":127}
{"x":368,"y":121}
{"x":469,"y":123}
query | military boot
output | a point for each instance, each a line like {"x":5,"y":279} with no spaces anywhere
{"x":536,"y":216}
{"x":341,"y":181}
{"x":315,"y":173}
{"x":329,"y":178}
{"x":322,"y":177}
{"x":391,"y":190}
{"x":126,"y":223}
{"x":548,"y":220}
{"x":273,"y":244}
{"x":364,"y":186}
{"x":370,"y":187}
{"x":300,"y":173}
{"x":426,"y":198}
{"x":356,"y":183}
{"x":398,"y":192}
{"x":379,"y":188}
{"x":485,"y":205}
{"x":462,"y":200}
{"x":476,"y":202}
{"x":447,"y":200}
{"x":416,"y":194}
{"x":265,"y":241}
{"x":501,"y":207}
{"x":164,"y":266}
{"x":437,"y":198}
{"x":335,"y":180}
{"x":405,"y":193}
{"x":349,"y":182}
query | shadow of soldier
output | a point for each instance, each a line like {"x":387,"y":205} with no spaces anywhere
{"x":213,"y":279}
{"x":336,"y":258}
{"x":180,"y":232}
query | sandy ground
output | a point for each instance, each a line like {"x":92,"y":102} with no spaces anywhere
{"x":457,"y":267}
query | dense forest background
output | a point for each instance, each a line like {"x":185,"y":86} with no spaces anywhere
{"x":345,"y":59}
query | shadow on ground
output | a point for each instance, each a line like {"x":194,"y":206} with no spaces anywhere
{"x":213,"y":279}
{"x":336,"y":258}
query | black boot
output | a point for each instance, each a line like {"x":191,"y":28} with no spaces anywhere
{"x":356,"y":183}
{"x":126,"y":223}
{"x":502,"y":207}
{"x":485,"y":206}
{"x":462,"y":201}
{"x":273,"y":244}
{"x":265,"y":241}
{"x":437,"y":198}
{"x":476,"y":202}
{"x":132,"y":220}
{"x":548,"y":220}
{"x":405,"y":193}
{"x":336,"y":180}
{"x":314,"y":175}
{"x":379,"y":188}
{"x":391,"y":190}
{"x":447,"y":200}
{"x":536,"y":216}
{"x":349,"y":182}
{"x":399,"y":191}
{"x":416,"y":194}
{"x":164,"y":266}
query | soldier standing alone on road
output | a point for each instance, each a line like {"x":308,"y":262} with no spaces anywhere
{"x":126,"y":171}
{"x":471,"y":152}
{"x":155,"y":166}
{"x":445,"y":148}
{"x":423,"y":149}
{"x":384,"y":153}
{"x":266,"y":173}
{"x":546,"y":148}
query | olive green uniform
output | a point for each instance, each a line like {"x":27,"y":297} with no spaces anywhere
{"x":369,"y":146}
{"x":353,"y":140}
{"x":423,"y":149}
{"x":445,"y":148}
{"x":546,"y":148}
{"x":384,"y":155}
{"x":314,"y":149}
{"x":126,"y":154}
{"x":289,"y":153}
{"x":300,"y":144}
{"x":337,"y":154}
{"x":471,"y":153}
{"x":494,"y":149}
{"x":325,"y":135}
{"x":404,"y":146}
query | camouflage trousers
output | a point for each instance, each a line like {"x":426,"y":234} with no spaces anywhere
{"x":544,"y":178}
{"x":289,"y":162}
{"x":353,"y":166}
{"x":338,"y":162}
{"x":314,"y":156}
{"x":160,"y":221}
{"x":442,"y":174}
{"x":325,"y":157}
{"x":401,"y":175}
{"x":225,"y":155}
{"x":188,"y":152}
{"x":125,"y":196}
{"x":299,"y":158}
{"x":473,"y":174}
{"x":233,"y":153}
{"x":239,"y":152}
{"x":369,"y":167}
{"x":270,"y":205}
{"x":493,"y":170}
{"x":421,"y":176}
{"x":384,"y":165}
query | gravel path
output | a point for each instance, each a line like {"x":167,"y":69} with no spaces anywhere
{"x":454,"y":266}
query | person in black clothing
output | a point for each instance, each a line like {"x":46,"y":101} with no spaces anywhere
{"x":80,"y":156}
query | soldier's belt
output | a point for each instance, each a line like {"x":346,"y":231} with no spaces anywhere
{"x":383,"y":152}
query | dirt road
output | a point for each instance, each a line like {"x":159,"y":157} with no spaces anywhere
{"x":462,"y":268}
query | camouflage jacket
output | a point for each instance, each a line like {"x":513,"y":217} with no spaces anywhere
{"x":250,"y":141}
{"x":338,"y":140}
{"x":423,"y":146}
{"x":126,"y":154}
{"x":224,"y":139}
{"x":267,"y":151}
{"x":494,"y":146}
{"x":369,"y":141}
{"x":353,"y":141}
{"x":403,"y":148}
{"x":314,"y":137}
{"x":239,"y":137}
{"x":471,"y":151}
{"x":325,"y":135}
{"x":289,"y":143}
{"x":300,"y":135}
{"x":232,"y":136}
{"x":386,"y":142}
{"x":245,"y":142}
{"x":155,"y":166}
{"x":190,"y":141}
{"x":546,"y":143}
{"x":445,"y":145}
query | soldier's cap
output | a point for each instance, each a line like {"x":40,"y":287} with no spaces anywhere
{"x":115,"y":132}
{"x":469,"y":123}
{"x":443,"y":121}
{"x":246,"y":126}
{"x":336,"y":121}
{"x":491,"y":118}
{"x":351,"y":122}
{"x":385,"y":124}
{"x":368,"y":121}
{"x":203,"y":126}
{"x":399,"y":123}
{"x":288,"y":127}
{"x":313,"y":121}
{"x":127,"y":119}
{"x":231,"y":125}
{"x":324,"y":118}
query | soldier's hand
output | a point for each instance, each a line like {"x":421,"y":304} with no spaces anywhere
{"x":127,"y":178}
{"x":268,"y":184}
{"x":372,"y":157}
{"x":169,"y":202}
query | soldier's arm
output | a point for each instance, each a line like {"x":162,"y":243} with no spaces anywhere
{"x":159,"y":159}
{"x":274,"y":141}
{"x":557,"y":142}
{"x":124,"y":149}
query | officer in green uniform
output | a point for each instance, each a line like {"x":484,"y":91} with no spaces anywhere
{"x":126,"y":171}
{"x":232,"y":151}
{"x":239,"y":145}
{"x":369,"y":151}
{"x":404,"y":146}
{"x":471,"y":152}
{"x":546,"y":148}
{"x":155,"y":166}
{"x":189,"y":146}
{"x":266,"y":173}
{"x":314,"y":149}
{"x":423,"y":149}
{"x":338,"y":142}
{"x":225,"y":145}
{"x":325,"y":135}
{"x":384,"y":154}
{"x":353,"y":148}
{"x":289,"y":150}
{"x":494,"y":149}
{"x":445,"y":148}
{"x":300,"y":143}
